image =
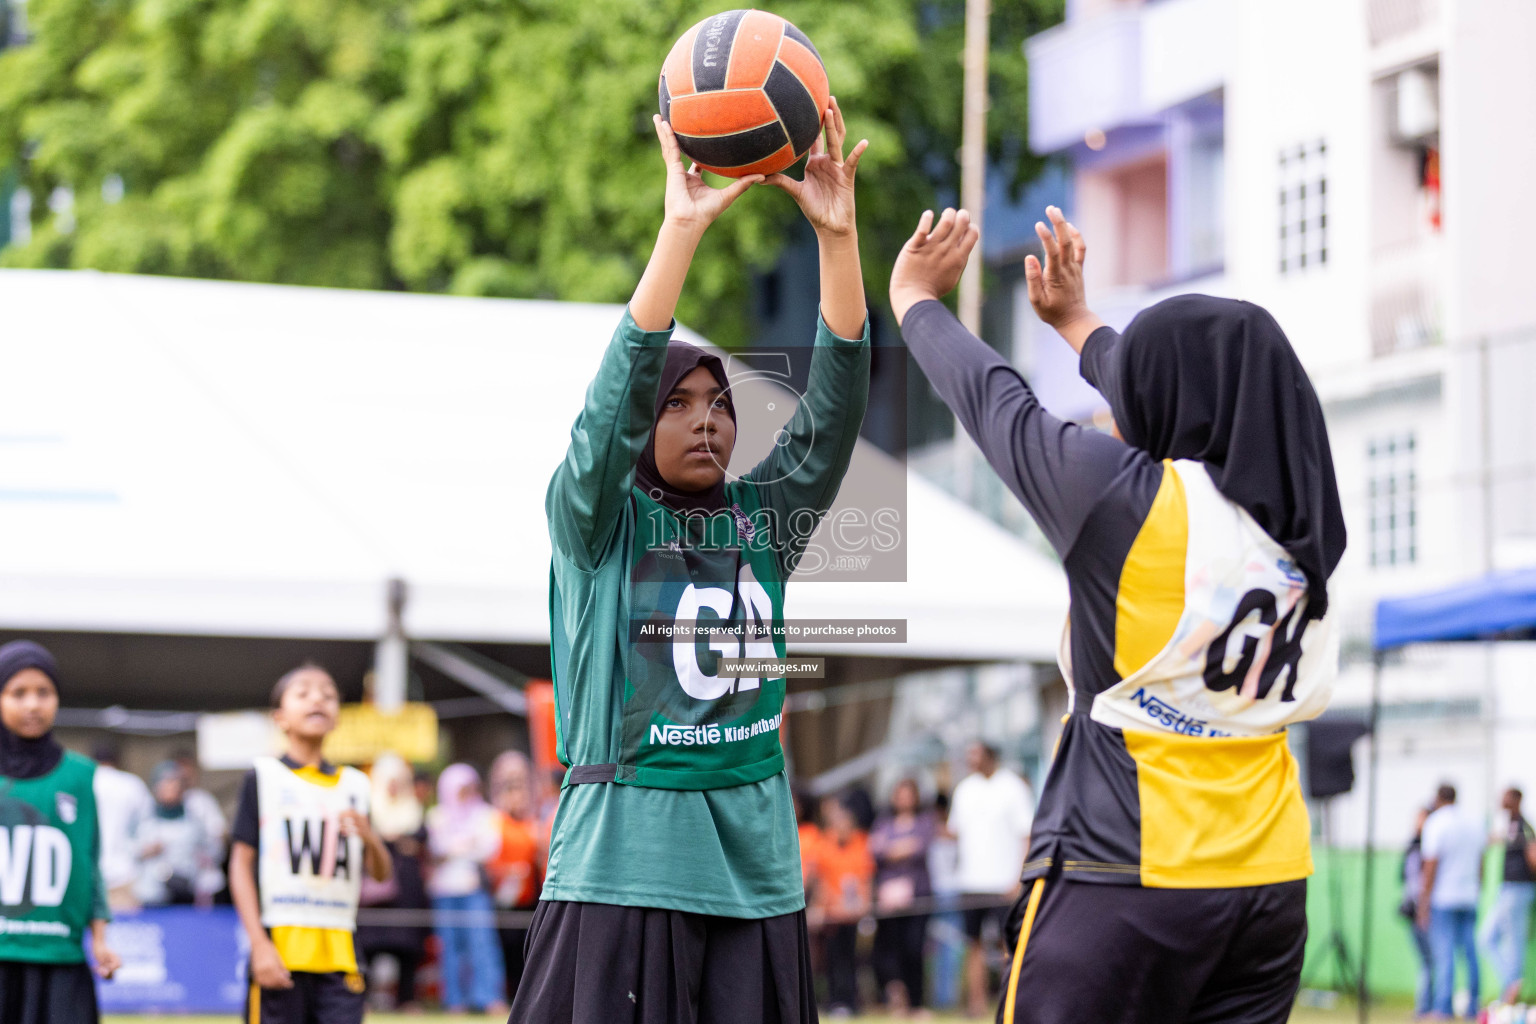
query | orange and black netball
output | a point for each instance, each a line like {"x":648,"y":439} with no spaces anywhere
{"x":744,"y":92}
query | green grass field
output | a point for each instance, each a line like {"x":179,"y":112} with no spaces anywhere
{"x":1303,"y":1015}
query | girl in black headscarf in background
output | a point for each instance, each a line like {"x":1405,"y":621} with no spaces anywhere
{"x":1166,"y":875}
{"x":48,"y":821}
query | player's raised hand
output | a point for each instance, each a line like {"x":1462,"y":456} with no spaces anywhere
{"x":1056,"y":290}
{"x":825,"y":195}
{"x":690,"y":201}
{"x":933,"y":259}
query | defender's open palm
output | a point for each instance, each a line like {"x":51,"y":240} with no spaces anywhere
{"x":825,"y":195}
{"x":690,"y":201}
{"x":1056,"y":290}
{"x":933,"y":259}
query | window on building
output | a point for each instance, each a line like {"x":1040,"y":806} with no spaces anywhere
{"x":1393,"y":496}
{"x":1132,"y":200}
{"x":1205,"y":227}
{"x":1303,"y":207}
{"x":20,"y":217}
{"x":1406,"y":287}
{"x":13,"y":23}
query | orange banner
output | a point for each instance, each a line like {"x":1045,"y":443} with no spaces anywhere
{"x":541,"y":724}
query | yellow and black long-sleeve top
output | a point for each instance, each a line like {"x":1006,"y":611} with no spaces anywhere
{"x":1187,"y":652}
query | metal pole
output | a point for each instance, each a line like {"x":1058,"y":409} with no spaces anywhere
{"x":973,"y":152}
{"x":1363,"y":996}
{"x":391,"y":657}
{"x":973,"y":192}
{"x":1490,"y":666}
{"x":1485,"y":430}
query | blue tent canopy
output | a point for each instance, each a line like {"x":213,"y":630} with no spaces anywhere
{"x":1499,"y":605}
{"x":1490,"y":606}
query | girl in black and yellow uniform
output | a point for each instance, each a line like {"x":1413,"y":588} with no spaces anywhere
{"x":302,"y":841}
{"x":1166,"y":874}
{"x":50,"y":844}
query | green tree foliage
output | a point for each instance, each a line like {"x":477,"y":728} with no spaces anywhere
{"x":481,"y":147}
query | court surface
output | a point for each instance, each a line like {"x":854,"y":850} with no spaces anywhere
{"x":1303,"y":1015}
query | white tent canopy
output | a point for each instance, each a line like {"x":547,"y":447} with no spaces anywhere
{"x":192,"y":457}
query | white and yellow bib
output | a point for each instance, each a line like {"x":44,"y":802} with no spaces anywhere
{"x":310,"y":876}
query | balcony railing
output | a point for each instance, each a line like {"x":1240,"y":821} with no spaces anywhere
{"x":1405,"y":296}
{"x":1122,"y":65}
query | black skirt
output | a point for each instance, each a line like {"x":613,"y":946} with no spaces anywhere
{"x":593,"y":963}
{"x":47,"y":993}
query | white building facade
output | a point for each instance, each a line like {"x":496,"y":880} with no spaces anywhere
{"x":1361,"y":169}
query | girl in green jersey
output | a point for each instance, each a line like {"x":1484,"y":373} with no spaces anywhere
{"x":49,"y":844}
{"x":673,"y":891}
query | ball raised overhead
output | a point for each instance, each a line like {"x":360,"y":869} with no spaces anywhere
{"x":744,"y":92}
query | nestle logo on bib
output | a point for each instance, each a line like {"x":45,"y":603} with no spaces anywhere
{"x":68,"y":807}
{"x":685,"y":735}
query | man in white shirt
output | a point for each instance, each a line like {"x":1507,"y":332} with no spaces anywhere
{"x":122,"y":802}
{"x":990,"y":815}
{"x":1453,"y":872}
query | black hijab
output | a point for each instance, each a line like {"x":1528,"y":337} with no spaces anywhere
{"x":22,"y":758}
{"x":682,"y":359}
{"x":1195,"y":377}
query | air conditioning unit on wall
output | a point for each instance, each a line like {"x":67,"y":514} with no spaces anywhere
{"x":1415,"y":107}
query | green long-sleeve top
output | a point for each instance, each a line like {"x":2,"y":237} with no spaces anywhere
{"x":698,"y":816}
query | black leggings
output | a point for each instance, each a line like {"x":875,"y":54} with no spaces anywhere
{"x":843,"y":966}
{"x":899,"y":954}
{"x":512,"y":942}
{"x":409,"y":958}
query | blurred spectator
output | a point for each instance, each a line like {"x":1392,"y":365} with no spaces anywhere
{"x":122,"y":802}
{"x":1509,"y":924}
{"x":1413,"y":883}
{"x":178,"y":858}
{"x":517,"y":869}
{"x":421,"y":782}
{"x":549,"y":805}
{"x":810,"y":849}
{"x":1453,"y":871}
{"x":201,"y":804}
{"x":464,"y":833}
{"x":899,"y":844}
{"x":844,"y":875}
{"x":948,"y":931}
{"x":549,"y":792}
{"x":990,"y":816}
{"x":398,"y":819}
{"x":862,"y":806}
{"x":810,"y":836}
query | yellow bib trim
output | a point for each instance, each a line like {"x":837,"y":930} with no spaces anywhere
{"x":315,"y":950}
{"x":1010,"y":1003}
{"x":1219,"y":812}
{"x":1150,"y":599}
